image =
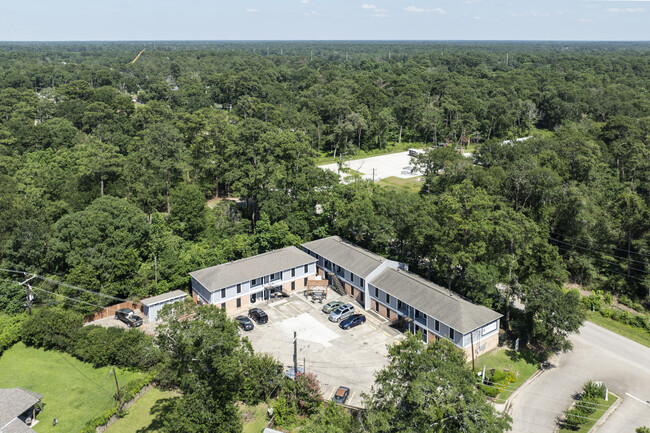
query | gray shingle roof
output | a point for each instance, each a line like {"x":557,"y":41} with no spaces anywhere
{"x":229,"y":274}
{"x":16,"y":426}
{"x":434,"y":300}
{"x":345,"y":254}
{"x":176,"y":294}
{"x":13,"y":402}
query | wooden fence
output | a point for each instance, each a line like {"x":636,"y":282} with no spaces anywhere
{"x":110,"y":310}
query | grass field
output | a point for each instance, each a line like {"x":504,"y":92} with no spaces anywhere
{"x":594,"y":417}
{"x":73,"y":392}
{"x":523,"y":362}
{"x":412,"y":184}
{"x":254,"y":418}
{"x":140,"y":417}
{"x":639,"y":335}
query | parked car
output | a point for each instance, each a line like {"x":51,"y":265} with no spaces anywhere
{"x":127,"y":316}
{"x":342,"y":312}
{"x":292,"y":375}
{"x":341,"y":395}
{"x":244,"y":323}
{"x":352,"y":321}
{"x":332,"y":305}
{"x":258,"y":315}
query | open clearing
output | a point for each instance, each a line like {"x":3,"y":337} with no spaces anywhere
{"x":378,"y":167}
{"x":140,"y":417}
{"x":73,"y":392}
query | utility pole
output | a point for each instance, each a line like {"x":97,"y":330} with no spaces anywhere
{"x":507,"y":59}
{"x":28,"y":290}
{"x":295,"y":354}
{"x":471,"y":337}
{"x":311,"y":55}
{"x":119,"y":395}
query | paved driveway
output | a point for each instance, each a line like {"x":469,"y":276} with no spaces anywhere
{"x":379,"y":167}
{"x":337,"y":358}
{"x":598,"y":354}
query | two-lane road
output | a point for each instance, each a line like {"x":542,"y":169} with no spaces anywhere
{"x":598,"y":354}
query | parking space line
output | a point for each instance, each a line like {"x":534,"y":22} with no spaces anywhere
{"x":295,"y":308}
{"x":351,"y":397}
{"x":331,"y":393}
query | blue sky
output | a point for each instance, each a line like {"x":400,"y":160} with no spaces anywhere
{"x":29,"y":20}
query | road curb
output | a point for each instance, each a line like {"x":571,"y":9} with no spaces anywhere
{"x":508,"y":405}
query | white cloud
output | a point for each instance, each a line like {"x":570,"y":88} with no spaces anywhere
{"x":310,"y":13}
{"x":426,"y":11}
{"x":304,"y":1}
{"x":585,"y":20}
{"x":529,"y":14}
{"x":252,"y":11}
{"x":624,"y":10}
{"x":375,"y":11}
{"x":477,"y":18}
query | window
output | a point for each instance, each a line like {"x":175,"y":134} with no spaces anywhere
{"x":387,"y":298}
{"x":306,"y":281}
{"x":327,"y":264}
{"x":256,"y":282}
{"x":417,"y":313}
{"x":238,"y":302}
{"x":451,"y":334}
{"x":361,"y":297}
{"x":387,"y":313}
{"x":352,"y":277}
{"x":276,"y":276}
{"x":361,"y":282}
{"x":223,"y":293}
{"x":376,"y":293}
{"x":238,"y":288}
{"x":306,"y":269}
{"x":293,"y":272}
{"x":399,"y":305}
{"x":436,"y":326}
{"x":352,"y":291}
{"x":293,"y":285}
{"x":376,"y":305}
{"x":223,"y":305}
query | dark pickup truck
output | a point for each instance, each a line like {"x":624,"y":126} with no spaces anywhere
{"x":127,"y":316}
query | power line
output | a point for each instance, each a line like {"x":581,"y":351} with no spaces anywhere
{"x":607,"y":270}
{"x":79,"y":288}
{"x":601,"y":252}
{"x":66,"y":297}
{"x":600,"y":245}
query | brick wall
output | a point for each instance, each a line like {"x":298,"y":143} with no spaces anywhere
{"x":110,"y":310}
{"x":490,"y":342}
{"x":383,"y":311}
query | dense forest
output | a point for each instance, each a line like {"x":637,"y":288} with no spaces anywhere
{"x":106,"y":165}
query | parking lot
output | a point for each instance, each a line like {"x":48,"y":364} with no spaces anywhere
{"x":337,"y":357}
{"x":379,"y":167}
{"x":147,"y":327}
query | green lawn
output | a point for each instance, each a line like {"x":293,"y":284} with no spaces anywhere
{"x":639,"y":335}
{"x":73,"y":392}
{"x":412,"y":184}
{"x":523,"y":362}
{"x":140,"y":416}
{"x":255,"y":418}
{"x":584,"y":428}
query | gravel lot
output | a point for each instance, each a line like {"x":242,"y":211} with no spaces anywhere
{"x":395,"y":164}
{"x":337,"y":358}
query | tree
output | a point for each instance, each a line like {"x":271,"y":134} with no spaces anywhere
{"x":99,"y":159}
{"x":188,"y":210}
{"x":331,"y":418}
{"x":203,"y":358}
{"x":428,"y":388}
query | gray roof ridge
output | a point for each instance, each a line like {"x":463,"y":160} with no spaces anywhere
{"x":244,"y":259}
{"x":359,"y":249}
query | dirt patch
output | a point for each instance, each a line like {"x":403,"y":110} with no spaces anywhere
{"x":216,"y":200}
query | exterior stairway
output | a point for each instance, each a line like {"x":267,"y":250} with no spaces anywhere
{"x":336,"y":283}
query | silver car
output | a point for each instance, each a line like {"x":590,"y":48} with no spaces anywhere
{"x":343,"y":312}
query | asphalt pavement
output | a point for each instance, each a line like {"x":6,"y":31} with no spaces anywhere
{"x":600,"y":355}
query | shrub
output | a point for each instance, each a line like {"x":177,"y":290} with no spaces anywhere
{"x":594,"y":390}
{"x":608,"y":298}
{"x":592,"y":302}
{"x":630,"y":303}
{"x":606,"y":312}
{"x":572,"y":419}
{"x":511,"y":376}
{"x":284,"y":414}
{"x":10,"y":330}
{"x":52,"y":328}
{"x":303,"y":392}
{"x":489,"y":391}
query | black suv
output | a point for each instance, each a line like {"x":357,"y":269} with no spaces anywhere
{"x":258,"y":315}
{"x":127,"y":316}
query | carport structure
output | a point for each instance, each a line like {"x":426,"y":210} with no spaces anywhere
{"x":152,"y":306}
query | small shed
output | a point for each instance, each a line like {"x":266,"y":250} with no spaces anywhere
{"x":152,"y":306}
